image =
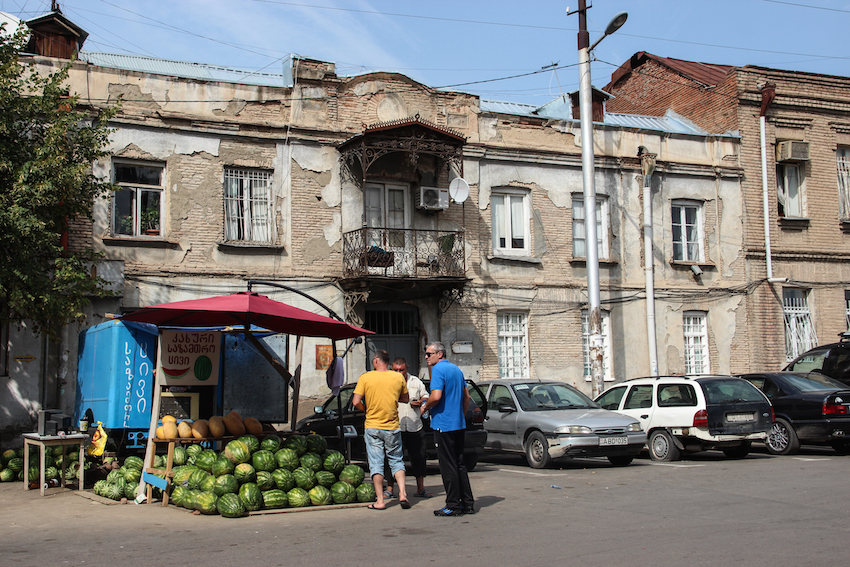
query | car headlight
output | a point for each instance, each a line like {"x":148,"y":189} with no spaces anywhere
{"x":634,"y":427}
{"x":573,"y":429}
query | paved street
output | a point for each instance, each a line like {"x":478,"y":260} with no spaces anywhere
{"x":707,"y":510}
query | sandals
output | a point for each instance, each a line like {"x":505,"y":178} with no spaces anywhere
{"x":424,"y":494}
{"x":388,"y":494}
{"x":404,"y":504}
{"x":373,"y":507}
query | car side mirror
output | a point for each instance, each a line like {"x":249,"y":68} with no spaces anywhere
{"x":318,"y":410}
{"x":506,"y":409}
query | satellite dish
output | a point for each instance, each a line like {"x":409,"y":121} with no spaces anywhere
{"x":458,"y":190}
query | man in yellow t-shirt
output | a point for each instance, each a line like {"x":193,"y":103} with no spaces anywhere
{"x":378,"y":393}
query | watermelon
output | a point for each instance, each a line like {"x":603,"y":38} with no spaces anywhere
{"x":130,"y":491}
{"x":208,"y":484}
{"x":53,"y":472}
{"x":304,"y":478}
{"x":191,"y":497}
{"x":111,"y":478}
{"x":230,"y":506}
{"x":245,"y":473}
{"x":34,"y":474}
{"x":343,"y":493}
{"x":222,"y":465}
{"x":206,"y":459}
{"x":7,"y":456}
{"x":275,"y":498}
{"x":181,"y":474}
{"x":113,"y":491}
{"x":196,"y":478}
{"x":334,"y":462}
{"x":180,"y":455}
{"x":49,"y":461}
{"x":297,"y":443}
{"x":194,"y":450}
{"x":311,"y":461}
{"x":251,"y":442}
{"x":73,"y":456}
{"x":270,"y":443}
{"x":265,"y":480}
{"x":205,"y":503}
{"x":16,"y":464}
{"x":251,"y":496}
{"x":287,"y":459}
{"x":132,"y":476}
{"x":366,"y":492}
{"x":298,"y":498}
{"x":160,"y":461}
{"x":133,"y":462}
{"x":325,"y":478}
{"x":97,"y":488}
{"x":237,"y":452}
{"x":7,"y":475}
{"x":320,"y":496}
{"x":352,"y":474}
{"x":264,"y":460}
{"x":316,"y":443}
{"x":226,"y":484}
{"x":283,"y":479}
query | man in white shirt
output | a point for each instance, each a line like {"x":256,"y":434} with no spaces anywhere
{"x":412,"y":436}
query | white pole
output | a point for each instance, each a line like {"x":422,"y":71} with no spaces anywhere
{"x":647,"y":167}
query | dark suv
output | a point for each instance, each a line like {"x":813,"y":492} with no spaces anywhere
{"x":325,"y":421}
{"x":832,"y":360}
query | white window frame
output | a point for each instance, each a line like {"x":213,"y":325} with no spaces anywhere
{"x":580,"y":232}
{"x":687,"y":246}
{"x":847,"y":309}
{"x":380,"y":213}
{"x":506,"y":227}
{"x":607,"y":353}
{"x":695,"y":334}
{"x":248,"y":205}
{"x":790,"y":184}
{"x":800,"y":333}
{"x":842,"y":163}
{"x":139,"y":194}
{"x":512,"y":338}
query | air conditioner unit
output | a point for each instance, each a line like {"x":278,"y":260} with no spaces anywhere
{"x":433,"y":198}
{"x":790,"y":150}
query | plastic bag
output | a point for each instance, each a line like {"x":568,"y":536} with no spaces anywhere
{"x":98,"y":441}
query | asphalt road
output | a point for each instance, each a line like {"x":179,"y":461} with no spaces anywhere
{"x":708,"y":510}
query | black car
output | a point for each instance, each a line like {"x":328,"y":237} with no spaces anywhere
{"x":325,"y":421}
{"x":810,"y":408}
{"x":832,"y":359}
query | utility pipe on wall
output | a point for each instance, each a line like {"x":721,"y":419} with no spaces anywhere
{"x":768,"y":92}
{"x":647,"y":166}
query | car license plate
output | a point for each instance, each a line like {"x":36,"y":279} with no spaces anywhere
{"x":604,"y":441}
{"x":740,"y":417}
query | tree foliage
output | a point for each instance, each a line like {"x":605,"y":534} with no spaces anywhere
{"x":47,"y":148}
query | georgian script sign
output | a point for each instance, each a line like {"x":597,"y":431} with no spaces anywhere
{"x":189,"y":357}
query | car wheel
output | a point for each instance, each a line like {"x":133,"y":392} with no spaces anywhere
{"x":738,"y":452}
{"x":537,"y":451}
{"x":470,"y":460}
{"x":621,"y":460}
{"x":661,"y":447}
{"x":841,"y":447}
{"x":781,"y":439}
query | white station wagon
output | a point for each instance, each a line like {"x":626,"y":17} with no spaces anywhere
{"x":693,"y":413}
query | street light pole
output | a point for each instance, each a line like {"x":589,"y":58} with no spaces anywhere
{"x":587,"y":167}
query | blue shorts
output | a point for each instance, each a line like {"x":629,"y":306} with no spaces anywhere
{"x":381,"y":444}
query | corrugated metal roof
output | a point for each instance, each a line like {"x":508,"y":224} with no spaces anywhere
{"x":197,"y":71}
{"x":502,"y":107}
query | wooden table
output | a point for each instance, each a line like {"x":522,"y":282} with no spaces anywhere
{"x":42,"y":441}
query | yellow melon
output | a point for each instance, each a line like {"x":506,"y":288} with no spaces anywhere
{"x":160,"y":434}
{"x":184,"y":429}
{"x":170,"y":418}
{"x":169,"y":430}
{"x":235,"y":414}
{"x":200,"y":429}
{"x":253,"y":426}
{"x":234,"y":425}
{"x":217,"y":428}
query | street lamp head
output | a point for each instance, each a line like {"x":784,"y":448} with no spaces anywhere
{"x":616,"y":23}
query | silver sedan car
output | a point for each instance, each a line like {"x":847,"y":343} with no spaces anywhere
{"x":550,"y":420}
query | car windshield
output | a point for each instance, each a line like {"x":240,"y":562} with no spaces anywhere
{"x":535,"y":396}
{"x":719,"y":390}
{"x":813,"y":382}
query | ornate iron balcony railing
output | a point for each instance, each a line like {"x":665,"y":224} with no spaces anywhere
{"x":403,"y":253}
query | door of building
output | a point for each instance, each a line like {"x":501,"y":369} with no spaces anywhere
{"x":396,"y":331}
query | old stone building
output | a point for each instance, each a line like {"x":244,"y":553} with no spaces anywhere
{"x":420,"y":214}
{"x":795,"y":203}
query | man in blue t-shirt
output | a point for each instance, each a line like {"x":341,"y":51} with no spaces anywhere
{"x":448,"y":403}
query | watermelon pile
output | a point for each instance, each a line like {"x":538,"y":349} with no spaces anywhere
{"x":12,"y":464}
{"x":256,"y":474}
{"x":123,"y":482}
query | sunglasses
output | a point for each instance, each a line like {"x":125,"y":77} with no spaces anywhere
{"x":427,"y":354}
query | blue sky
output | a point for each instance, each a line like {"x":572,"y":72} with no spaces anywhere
{"x":466,"y":45}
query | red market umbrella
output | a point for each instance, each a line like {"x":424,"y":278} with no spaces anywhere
{"x":245,"y":309}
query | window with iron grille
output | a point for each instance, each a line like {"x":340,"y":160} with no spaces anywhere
{"x":687,"y":227}
{"x":799,"y":327}
{"x":695,"y":330}
{"x":606,"y":346}
{"x":512,"y":330}
{"x":842,"y":158}
{"x":247,"y":205}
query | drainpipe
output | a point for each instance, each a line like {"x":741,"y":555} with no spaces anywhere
{"x":647,"y":166}
{"x":768,"y":93}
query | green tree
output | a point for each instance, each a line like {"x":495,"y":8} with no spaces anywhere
{"x":47,"y":147}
